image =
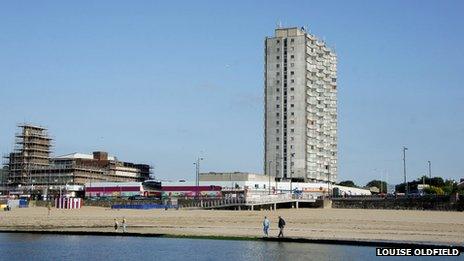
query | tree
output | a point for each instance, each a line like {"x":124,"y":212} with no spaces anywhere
{"x":438,"y":186}
{"x":437,"y":182}
{"x":348,"y":183}
{"x":450,"y":187}
{"x":434,"y":190}
{"x":381,"y":185}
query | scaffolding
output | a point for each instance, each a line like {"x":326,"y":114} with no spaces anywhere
{"x":32,"y":151}
{"x":31,"y":168}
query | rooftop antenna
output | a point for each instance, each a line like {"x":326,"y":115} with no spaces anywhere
{"x":279,"y":24}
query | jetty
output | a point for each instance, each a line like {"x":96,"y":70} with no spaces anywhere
{"x":270,"y":202}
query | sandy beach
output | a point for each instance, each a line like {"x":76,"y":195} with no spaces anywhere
{"x":346,"y":224}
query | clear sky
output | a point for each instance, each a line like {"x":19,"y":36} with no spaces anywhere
{"x":158,"y":82}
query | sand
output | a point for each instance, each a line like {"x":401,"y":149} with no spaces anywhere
{"x":348,"y":224}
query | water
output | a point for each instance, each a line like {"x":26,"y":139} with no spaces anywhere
{"x":68,"y":247}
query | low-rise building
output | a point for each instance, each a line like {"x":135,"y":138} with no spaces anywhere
{"x":77,"y":169}
{"x":461,"y":183}
{"x":253,"y":183}
{"x":235,"y":180}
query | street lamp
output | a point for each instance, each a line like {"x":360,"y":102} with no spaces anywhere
{"x":430,"y":169}
{"x":291,"y":172}
{"x":269,"y":174}
{"x":197,"y":174}
{"x":404,"y":170}
{"x":32,"y":187}
{"x":328,"y":179}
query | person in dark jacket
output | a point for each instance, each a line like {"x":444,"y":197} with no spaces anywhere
{"x":281,"y":227}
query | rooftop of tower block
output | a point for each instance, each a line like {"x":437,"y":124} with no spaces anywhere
{"x":289,"y":31}
{"x":283,"y":32}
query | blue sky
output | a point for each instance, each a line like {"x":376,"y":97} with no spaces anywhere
{"x":159,"y":82}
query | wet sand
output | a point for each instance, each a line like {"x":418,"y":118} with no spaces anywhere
{"x":343,"y":224}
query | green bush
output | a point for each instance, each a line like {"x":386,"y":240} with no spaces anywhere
{"x":432,"y":190}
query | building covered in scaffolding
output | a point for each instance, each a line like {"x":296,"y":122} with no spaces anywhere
{"x":31,"y":167}
{"x":32,"y":151}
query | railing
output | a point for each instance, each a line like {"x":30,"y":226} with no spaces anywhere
{"x":389,"y":196}
{"x":304,"y":196}
{"x":210,"y":203}
{"x":279,"y":197}
{"x":268,"y":198}
{"x":250,"y":199}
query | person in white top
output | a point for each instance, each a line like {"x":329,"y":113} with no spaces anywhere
{"x":266,"y":224}
{"x":124,"y":225}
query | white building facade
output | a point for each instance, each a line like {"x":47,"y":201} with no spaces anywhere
{"x":300,"y":107}
{"x":260,"y":184}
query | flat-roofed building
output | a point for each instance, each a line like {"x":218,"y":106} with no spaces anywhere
{"x":255,"y":183}
{"x":72,"y":171}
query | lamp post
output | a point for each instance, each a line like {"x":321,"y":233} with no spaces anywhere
{"x":269,"y":174}
{"x":291,"y":172}
{"x":49,"y":189}
{"x":197,"y":174}
{"x":32,"y":187}
{"x":328,"y":180}
{"x":404,"y":170}
{"x":430,"y":169}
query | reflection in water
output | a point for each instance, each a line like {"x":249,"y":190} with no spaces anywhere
{"x":61,"y":247}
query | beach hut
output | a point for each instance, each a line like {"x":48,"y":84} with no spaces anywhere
{"x":68,"y":203}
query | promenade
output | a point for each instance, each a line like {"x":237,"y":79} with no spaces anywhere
{"x":343,"y":224}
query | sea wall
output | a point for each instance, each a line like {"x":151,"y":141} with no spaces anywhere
{"x":412,"y":203}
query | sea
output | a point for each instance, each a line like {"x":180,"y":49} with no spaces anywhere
{"x":24,"y":246}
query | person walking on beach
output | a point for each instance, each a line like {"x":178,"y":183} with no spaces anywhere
{"x":124,"y":225}
{"x":281,"y":227}
{"x":266,"y":225}
{"x":49,"y":208}
{"x":116,"y":225}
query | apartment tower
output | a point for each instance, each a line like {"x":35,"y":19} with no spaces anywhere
{"x":300,"y":107}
